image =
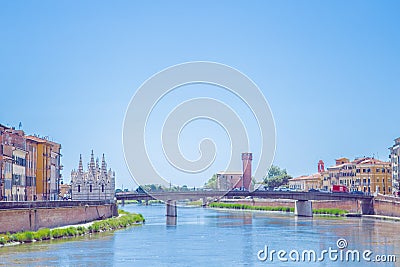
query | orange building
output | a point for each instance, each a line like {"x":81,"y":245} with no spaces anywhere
{"x":48,"y":167}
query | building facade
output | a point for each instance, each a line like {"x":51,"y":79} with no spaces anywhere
{"x":228,"y":180}
{"x":30,"y":166}
{"x":46,"y":158}
{"x":368,"y":175}
{"x":12,"y":164}
{"x":97,"y":183}
{"x":395,"y":163}
{"x":306,"y":182}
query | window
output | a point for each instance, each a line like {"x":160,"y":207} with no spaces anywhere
{"x":378,"y":170}
{"x":102,"y":188}
{"x":90,"y":188}
{"x":358,"y":170}
{"x":79,"y":188}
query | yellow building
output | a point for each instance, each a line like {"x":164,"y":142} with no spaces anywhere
{"x":368,"y":175}
{"x":373,"y":176}
{"x":306,"y":182}
{"x":47,"y":168}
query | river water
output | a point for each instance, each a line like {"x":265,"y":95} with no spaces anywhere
{"x":208,"y":237}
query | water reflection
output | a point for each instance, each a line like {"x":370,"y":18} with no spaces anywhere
{"x":171,"y":220}
{"x":206,"y":237}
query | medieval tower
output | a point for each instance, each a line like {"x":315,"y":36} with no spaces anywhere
{"x":247,"y":159}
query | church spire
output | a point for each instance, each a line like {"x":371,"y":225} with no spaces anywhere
{"x":103,"y":165}
{"x":80,"y":168}
{"x":92,"y":165}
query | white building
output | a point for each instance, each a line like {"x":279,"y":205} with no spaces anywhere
{"x":395,"y":163}
{"x":94,"y":184}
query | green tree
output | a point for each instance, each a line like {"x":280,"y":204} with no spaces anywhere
{"x":184,"y":188}
{"x":212,"y":182}
{"x":276,"y":177}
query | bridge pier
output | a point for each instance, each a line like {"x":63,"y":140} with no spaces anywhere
{"x":367,"y":207}
{"x":171,"y":212}
{"x":204,"y":199}
{"x":123,"y":202}
{"x":303,"y":208}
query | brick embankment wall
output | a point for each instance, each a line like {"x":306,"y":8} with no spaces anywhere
{"x":352,"y":206}
{"x":32,"y":219}
{"x":387,"y":206}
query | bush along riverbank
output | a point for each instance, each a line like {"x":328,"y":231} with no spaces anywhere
{"x":248,"y":207}
{"x":124,"y":220}
{"x":336,"y":212}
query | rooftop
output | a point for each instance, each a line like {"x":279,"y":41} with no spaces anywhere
{"x":307,"y":177}
{"x":230,"y":172}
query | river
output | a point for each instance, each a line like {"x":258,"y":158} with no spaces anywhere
{"x":209,"y":237}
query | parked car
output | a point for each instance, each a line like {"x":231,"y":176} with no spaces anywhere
{"x":357,"y":192}
{"x":281,"y":189}
{"x":313,"y":190}
{"x":324,"y":191}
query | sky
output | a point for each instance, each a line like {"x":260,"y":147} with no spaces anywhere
{"x":328,"y":69}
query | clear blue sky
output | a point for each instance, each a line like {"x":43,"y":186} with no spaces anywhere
{"x":329,"y":69}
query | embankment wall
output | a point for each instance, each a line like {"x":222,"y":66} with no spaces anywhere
{"x":35,"y":216}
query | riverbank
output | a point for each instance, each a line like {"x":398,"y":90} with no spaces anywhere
{"x":324,"y":211}
{"x":125,"y":220}
{"x":34,"y":215}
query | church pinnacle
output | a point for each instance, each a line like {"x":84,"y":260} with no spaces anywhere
{"x":103,"y":165}
{"x":80,"y":168}
{"x":92,"y":166}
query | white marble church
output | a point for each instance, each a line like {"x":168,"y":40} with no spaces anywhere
{"x":94,"y":184}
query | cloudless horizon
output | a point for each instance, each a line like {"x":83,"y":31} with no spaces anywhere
{"x":329,"y":71}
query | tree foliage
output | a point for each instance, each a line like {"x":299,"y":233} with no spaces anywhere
{"x":276,"y":177}
{"x":212,"y":182}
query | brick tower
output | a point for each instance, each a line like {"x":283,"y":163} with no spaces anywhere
{"x":321,"y":166}
{"x":247,"y":158}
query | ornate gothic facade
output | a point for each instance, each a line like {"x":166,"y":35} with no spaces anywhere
{"x":94,"y":184}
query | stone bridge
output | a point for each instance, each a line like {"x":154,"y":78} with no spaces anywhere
{"x":303,"y":204}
